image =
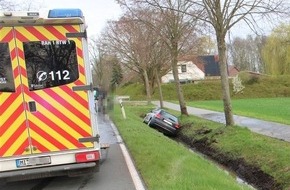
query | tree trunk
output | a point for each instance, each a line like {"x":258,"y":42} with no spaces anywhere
{"x":147,"y":87}
{"x":179,"y":91}
{"x":159,"y":88}
{"x":225,"y":80}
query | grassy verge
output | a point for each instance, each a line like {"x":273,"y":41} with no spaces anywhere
{"x":164,"y":163}
{"x":272,"y":156}
{"x":270,"y":109}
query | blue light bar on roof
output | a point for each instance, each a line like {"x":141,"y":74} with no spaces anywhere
{"x":65,"y":13}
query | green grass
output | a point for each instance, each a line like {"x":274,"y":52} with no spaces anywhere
{"x":264,"y":97}
{"x":164,"y":163}
{"x":270,"y":109}
{"x":271,"y":155}
{"x":255,"y":87}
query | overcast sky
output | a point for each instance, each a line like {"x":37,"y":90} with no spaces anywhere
{"x":96,"y":12}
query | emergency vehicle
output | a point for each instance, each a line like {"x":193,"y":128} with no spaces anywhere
{"x":48,"y":122}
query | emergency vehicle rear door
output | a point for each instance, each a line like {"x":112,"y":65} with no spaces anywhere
{"x":46,"y":65}
{"x":13,"y":127}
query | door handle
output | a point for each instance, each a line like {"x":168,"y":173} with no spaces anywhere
{"x":32,"y":106}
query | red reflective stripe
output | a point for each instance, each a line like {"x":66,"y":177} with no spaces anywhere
{"x":20,"y":54}
{"x":8,"y":37}
{"x":75,"y":96}
{"x":81,"y":69}
{"x":59,"y":114}
{"x":79,"y":52}
{"x":23,"y":72}
{"x":13,"y":138}
{"x":20,"y":36}
{"x":16,"y":72}
{"x":7,"y":103}
{"x":59,"y":130}
{"x":40,"y":147}
{"x":56,"y":33}
{"x":70,"y":28}
{"x":78,"y":82}
{"x":36,"y":33}
{"x":17,"y":113}
{"x":21,"y":148}
{"x":68,"y":105}
{"x":47,"y":136}
{"x":13,"y":54}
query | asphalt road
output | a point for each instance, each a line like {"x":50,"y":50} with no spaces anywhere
{"x":114,"y":171}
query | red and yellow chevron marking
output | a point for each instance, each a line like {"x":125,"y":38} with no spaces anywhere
{"x":13,"y":130}
{"x":62,"y":115}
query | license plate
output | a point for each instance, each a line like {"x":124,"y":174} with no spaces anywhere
{"x":168,"y":122}
{"x":24,"y":162}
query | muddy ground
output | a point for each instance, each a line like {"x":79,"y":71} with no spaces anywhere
{"x":250,"y":174}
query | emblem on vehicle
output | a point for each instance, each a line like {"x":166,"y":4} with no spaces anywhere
{"x":41,"y":76}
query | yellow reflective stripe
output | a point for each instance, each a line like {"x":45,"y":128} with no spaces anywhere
{"x":11,"y":130}
{"x":22,"y":138}
{"x":43,"y":141}
{"x":10,"y":111}
{"x":58,"y":121}
{"x":61,"y":108}
{"x":26,"y":33}
{"x":4,"y":32}
{"x":52,"y":133}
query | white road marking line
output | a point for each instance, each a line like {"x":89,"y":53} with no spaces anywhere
{"x":134,"y":174}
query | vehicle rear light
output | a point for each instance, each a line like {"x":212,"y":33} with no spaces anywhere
{"x":177,"y":126}
{"x":87,"y":156}
{"x":158,"y":115}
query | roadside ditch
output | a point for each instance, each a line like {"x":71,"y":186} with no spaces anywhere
{"x":250,"y":174}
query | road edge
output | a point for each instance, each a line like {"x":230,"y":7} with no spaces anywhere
{"x":138,"y":183}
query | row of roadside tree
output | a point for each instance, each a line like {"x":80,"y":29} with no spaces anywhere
{"x":152,"y":35}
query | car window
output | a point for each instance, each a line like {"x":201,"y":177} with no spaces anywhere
{"x":169,"y":116}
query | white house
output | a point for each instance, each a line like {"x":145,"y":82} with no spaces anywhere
{"x":198,"y":68}
{"x":187,"y":72}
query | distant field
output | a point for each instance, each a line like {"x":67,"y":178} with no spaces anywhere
{"x":270,"y":109}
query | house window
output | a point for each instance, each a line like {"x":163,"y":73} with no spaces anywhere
{"x":183,"y":68}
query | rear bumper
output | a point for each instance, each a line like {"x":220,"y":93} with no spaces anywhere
{"x":162,"y":127}
{"x":50,"y":171}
